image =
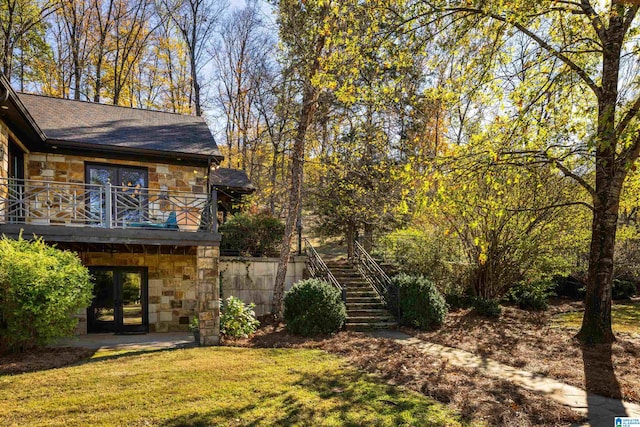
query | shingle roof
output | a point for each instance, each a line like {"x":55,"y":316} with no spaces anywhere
{"x":128,"y":128}
{"x":231,"y":178}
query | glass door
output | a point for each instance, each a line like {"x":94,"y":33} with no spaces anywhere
{"x":129,"y":200}
{"x":16,"y":208}
{"x":101,"y":315}
{"x":132,"y":295}
{"x":98,"y":176}
{"x":120,"y":300}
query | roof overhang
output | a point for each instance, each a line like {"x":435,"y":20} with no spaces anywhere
{"x":127,"y":153}
{"x":15,"y":115}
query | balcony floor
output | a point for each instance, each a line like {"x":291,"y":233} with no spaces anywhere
{"x":124,"y":236}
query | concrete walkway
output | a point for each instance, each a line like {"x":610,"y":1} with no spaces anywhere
{"x":151,"y":341}
{"x":601,"y":411}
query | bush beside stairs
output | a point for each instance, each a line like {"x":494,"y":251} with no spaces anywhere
{"x":365,"y":310}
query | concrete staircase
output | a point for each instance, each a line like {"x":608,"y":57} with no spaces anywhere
{"x":365,"y":311}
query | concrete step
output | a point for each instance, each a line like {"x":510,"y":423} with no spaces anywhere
{"x":365,"y":305}
{"x":355,"y":286}
{"x":356,"y":277}
{"x":362,"y":327}
{"x":360,"y":299}
{"x":370,"y":319}
{"x":361,"y":292}
{"x":347,"y":282}
{"x":367,"y":312}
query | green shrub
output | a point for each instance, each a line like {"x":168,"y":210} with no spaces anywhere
{"x":251,"y":235}
{"x":237,"y":319}
{"x":313,"y":307}
{"x":571,"y":286}
{"x":417,"y":301}
{"x":458,"y":298}
{"x":41,"y":288}
{"x":623,"y":289}
{"x":532,"y":295}
{"x":487,"y":307}
{"x":426,"y":253}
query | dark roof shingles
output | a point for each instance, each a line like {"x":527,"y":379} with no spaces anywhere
{"x":131,"y":128}
{"x":231,"y":178}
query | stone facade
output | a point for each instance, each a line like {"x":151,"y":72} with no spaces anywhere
{"x":252,"y":279}
{"x":208,"y":295}
{"x":71,"y":169}
{"x":173,"y":280}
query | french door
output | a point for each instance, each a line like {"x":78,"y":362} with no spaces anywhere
{"x":128,"y":193}
{"x":16,"y":208}
{"x":120,"y":301}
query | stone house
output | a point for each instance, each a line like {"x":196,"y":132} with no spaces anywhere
{"x":132,"y":192}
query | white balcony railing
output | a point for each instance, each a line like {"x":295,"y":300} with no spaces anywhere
{"x":88,"y":205}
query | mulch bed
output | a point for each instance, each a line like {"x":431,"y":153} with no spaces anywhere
{"x":474,"y":396}
{"x":42,"y":359}
{"x":530,"y":341}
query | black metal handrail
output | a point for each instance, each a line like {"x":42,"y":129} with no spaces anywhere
{"x":318,"y":269}
{"x":371,"y":271}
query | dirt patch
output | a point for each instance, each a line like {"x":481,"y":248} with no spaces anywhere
{"x":530,"y":341}
{"x":42,"y":359}
{"x":476,"y":397}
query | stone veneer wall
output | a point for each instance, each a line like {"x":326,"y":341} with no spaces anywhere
{"x":173,"y":281}
{"x":208,"y":295}
{"x":252,"y":279}
{"x":67,"y":168}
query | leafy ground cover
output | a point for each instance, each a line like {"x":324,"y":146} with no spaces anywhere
{"x":213,"y":386}
{"x":42,"y":359}
{"x":543,"y":343}
{"x":468,"y":392}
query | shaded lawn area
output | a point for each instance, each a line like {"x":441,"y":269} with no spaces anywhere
{"x":213,"y":386}
{"x":543,"y":343}
{"x":625,"y":318}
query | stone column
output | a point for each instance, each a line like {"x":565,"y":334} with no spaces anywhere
{"x":208,"y":295}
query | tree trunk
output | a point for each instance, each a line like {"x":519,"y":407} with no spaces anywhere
{"x":596,"y":324}
{"x":195,"y":84}
{"x":309,"y":101}
{"x":351,"y":238}
{"x":98,"y":85}
{"x":309,"y":105}
{"x":368,"y":237}
{"x":273,"y":177}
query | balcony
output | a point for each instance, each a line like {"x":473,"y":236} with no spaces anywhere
{"x":78,"y":212}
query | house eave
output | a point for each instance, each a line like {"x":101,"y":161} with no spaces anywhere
{"x":19,"y":119}
{"x":128,"y":153}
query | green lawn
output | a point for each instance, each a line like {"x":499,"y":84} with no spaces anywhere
{"x":625,"y":317}
{"x":212,"y":386}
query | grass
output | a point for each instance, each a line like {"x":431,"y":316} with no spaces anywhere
{"x":213,"y":386}
{"x":625,"y":317}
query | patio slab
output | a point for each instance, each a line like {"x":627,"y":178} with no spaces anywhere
{"x":150,"y":341}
